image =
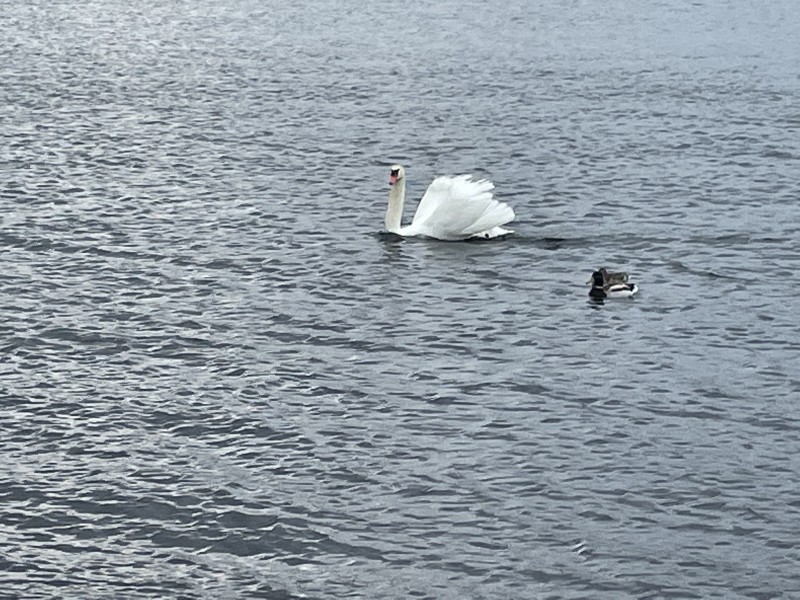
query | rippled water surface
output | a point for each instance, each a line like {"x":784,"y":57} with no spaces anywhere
{"x":219,"y":379}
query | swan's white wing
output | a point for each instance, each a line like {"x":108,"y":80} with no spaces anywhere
{"x":447,"y":193}
{"x":455,"y":208}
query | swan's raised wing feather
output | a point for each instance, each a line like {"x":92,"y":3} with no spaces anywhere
{"x":495,"y":214}
{"x":459,"y":207}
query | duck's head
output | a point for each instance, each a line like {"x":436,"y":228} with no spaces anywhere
{"x":396,"y":173}
{"x":593,"y":277}
{"x":597,"y":279}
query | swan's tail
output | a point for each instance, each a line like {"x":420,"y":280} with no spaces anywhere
{"x":494,"y":232}
{"x":493,"y":216}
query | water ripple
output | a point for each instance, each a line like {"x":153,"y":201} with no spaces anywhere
{"x":220,"y":379}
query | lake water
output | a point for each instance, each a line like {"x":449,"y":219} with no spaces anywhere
{"x":219,"y":379}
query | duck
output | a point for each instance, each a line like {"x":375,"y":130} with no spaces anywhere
{"x":602,"y":288}
{"x":452,"y":209}
{"x":611,"y":277}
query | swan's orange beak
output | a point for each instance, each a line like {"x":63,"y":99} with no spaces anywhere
{"x":392,"y":178}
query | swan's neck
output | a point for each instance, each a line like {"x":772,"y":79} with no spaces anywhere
{"x":394,"y":212}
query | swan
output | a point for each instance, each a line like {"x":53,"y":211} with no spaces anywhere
{"x":453,"y":208}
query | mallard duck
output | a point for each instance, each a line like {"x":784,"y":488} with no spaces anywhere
{"x":611,"y":277}
{"x":603,"y":288}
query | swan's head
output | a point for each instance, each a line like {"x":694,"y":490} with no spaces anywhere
{"x":396,"y":173}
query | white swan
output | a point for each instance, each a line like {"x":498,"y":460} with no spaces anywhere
{"x":453,"y":208}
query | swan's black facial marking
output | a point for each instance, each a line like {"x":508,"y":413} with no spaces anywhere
{"x":394,"y":172}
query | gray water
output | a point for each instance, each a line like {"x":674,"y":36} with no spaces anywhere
{"x":219,"y":379}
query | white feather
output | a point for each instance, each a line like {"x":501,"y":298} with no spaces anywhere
{"x":622,"y":290}
{"x":457,"y":208}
